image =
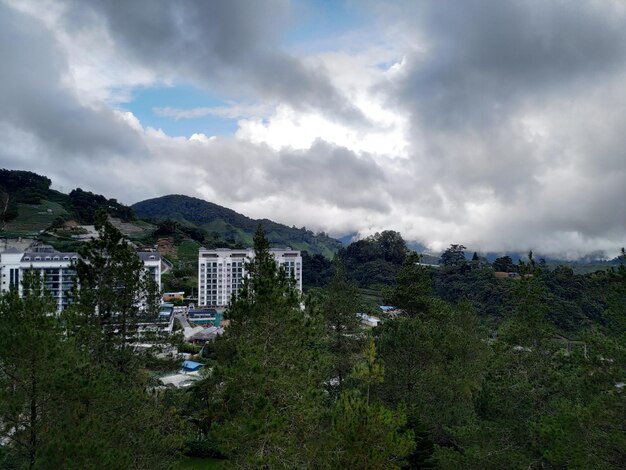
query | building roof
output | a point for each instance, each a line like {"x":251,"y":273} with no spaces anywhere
{"x":192,"y":365}
{"x":149,"y":255}
{"x":207,"y":334}
{"x":42,"y":257}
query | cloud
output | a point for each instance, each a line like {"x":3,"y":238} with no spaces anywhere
{"x":511,"y":116}
{"x":495,"y":124}
{"x":232,"y":46}
{"x":34,"y":99}
{"x":233,"y":111}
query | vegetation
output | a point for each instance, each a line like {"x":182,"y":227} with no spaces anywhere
{"x":28,"y":206}
{"x":472,"y":370}
{"x":375,"y":260}
{"x":225,"y":227}
{"x":441,"y":385}
{"x":72,"y":394}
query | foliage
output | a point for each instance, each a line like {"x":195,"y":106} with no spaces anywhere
{"x":233,"y":228}
{"x":270,"y":372}
{"x":339,"y":312}
{"x":375,"y":259}
{"x":60,"y":409}
{"x":434,"y":366}
{"x":367,"y":435}
{"x":85,"y":205}
{"x":504,"y":264}
{"x":317,"y":270}
{"x":28,"y":366}
{"x":453,"y":256}
{"x":116,"y":291}
{"x":413,"y":289}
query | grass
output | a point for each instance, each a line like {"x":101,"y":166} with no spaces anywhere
{"x":195,"y":463}
{"x":371,"y":297}
{"x":188,"y":250}
{"x":32,"y":218}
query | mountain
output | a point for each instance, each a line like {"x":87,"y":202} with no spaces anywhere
{"x":30,"y":208}
{"x":231,"y":226}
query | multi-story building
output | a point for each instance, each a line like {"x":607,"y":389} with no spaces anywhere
{"x":221,"y":271}
{"x":56,"y":269}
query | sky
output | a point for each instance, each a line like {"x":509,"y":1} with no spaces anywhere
{"x":497,"y":124}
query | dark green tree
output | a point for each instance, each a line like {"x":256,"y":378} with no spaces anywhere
{"x":504,"y":264}
{"x":434,"y":366}
{"x":29,"y":364}
{"x":454,"y":256}
{"x":114,"y":292}
{"x":365,"y":433}
{"x":269,"y":380}
{"x":413,"y":291}
{"x":60,"y":409}
{"x":343,"y":327}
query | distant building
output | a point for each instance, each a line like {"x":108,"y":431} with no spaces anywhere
{"x":368,"y":319}
{"x":201,"y":314}
{"x":221,"y":271}
{"x":56,"y":268}
{"x":169,"y":296}
{"x":152,"y":262}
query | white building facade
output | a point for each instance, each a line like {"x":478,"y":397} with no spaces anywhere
{"x":221,"y":271}
{"x":57,"y":271}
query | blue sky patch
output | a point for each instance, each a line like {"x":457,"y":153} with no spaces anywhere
{"x":180,"y":96}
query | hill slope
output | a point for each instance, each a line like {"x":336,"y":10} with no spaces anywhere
{"x":230,"y":225}
{"x":28,"y":207}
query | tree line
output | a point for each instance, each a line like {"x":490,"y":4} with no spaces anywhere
{"x":297,"y":381}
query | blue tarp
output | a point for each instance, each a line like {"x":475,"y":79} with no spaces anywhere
{"x":191,"y":366}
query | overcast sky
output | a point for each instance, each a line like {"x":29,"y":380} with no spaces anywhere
{"x":497,"y":124}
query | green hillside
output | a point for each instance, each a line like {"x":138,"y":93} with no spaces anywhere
{"x":30,"y":208}
{"x":230,"y":226}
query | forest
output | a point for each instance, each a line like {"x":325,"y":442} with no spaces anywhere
{"x":470,"y":371}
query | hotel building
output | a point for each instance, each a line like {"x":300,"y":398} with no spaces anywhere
{"x":57,"y":270}
{"x":221,"y":271}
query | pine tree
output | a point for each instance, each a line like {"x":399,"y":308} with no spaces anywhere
{"x":113,"y":293}
{"x":268,"y":384}
{"x":339,"y":311}
{"x":60,"y":407}
{"x":365,"y":434}
{"x":29,"y":353}
{"x":413,"y":290}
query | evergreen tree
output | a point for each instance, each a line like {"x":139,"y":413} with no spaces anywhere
{"x":454,"y":256}
{"x":413,"y":290}
{"x":30,"y":356}
{"x":268,"y":383}
{"x":434,"y":366}
{"x":365,"y":434}
{"x":60,"y":409}
{"x":343,"y":327}
{"x":114,"y":292}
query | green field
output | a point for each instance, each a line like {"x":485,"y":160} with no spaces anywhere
{"x":372,"y":297}
{"x":188,"y":251}
{"x":32,"y":218}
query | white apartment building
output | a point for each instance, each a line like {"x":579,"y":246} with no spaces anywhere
{"x":56,"y":269}
{"x":221,"y":271}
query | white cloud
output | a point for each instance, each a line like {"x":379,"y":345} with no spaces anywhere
{"x":495,"y":131}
